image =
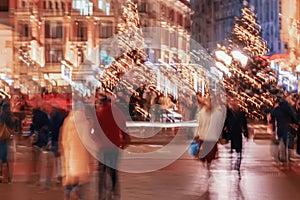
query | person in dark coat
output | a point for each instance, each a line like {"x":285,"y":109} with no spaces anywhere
{"x":282,"y":116}
{"x":5,"y":118}
{"x":56,"y":121}
{"x":42,"y":141}
{"x":236,"y":124}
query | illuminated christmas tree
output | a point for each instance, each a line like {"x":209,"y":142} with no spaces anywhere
{"x":128,"y":73}
{"x":247,"y":75}
{"x":130,"y":53}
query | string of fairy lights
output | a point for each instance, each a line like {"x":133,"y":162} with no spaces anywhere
{"x":247,"y":77}
{"x":133,"y":57}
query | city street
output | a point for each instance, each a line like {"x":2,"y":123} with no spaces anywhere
{"x":186,"y":179}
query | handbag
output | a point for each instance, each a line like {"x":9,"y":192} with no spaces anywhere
{"x":5,"y":132}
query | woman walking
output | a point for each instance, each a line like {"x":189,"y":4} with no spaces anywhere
{"x":76,"y":160}
{"x":211,"y":120}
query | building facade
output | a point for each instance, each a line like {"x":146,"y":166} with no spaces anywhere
{"x":166,"y":28}
{"x":52,"y":38}
{"x":269,"y":18}
{"x":290,"y":29}
{"x":212,"y":21}
{"x":51,"y":35}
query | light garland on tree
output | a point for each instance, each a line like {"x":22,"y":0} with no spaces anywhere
{"x":248,"y":84}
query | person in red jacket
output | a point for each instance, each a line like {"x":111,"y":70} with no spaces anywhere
{"x":112,"y":124}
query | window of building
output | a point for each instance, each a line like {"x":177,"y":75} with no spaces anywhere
{"x":107,"y":9}
{"x":23,"y":29}
{"x":45,"y":4}
{"x":106,"y":29}
{"x":173,"y":39}
{"x":79,"y":32}
{"x":180,"y":19}
{"x":171,"y":15}
{"x":23,"y":4}
{"x":101,"y":4}
{"x":142,"y":6}
{"x":216,"y":6}
{"x":82,"y":31}
{"x":76,"y":4}
{"x":53,"y":29}
{"x":162,"y":9}
{"x":4,"y":5}
{"x":56,"y":5}
{"x":165,"y":36}
{"x":53,"y":54}
{"x":84,"y":6}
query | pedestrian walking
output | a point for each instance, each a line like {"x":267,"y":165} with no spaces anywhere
{"x":282,"y":116}
{"x":112,"y":126}
{"x":57,"y":117}
{"x":236,"y":124}
{"x":211,"y":121}
{"x":76,"y":160}
{"x":5,"y":120}
{"x":39,"y":128}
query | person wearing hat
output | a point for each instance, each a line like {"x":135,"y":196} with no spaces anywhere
{"x":5,"y":118}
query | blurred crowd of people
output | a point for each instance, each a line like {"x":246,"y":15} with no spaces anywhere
{"x":68,"y":139}
{"x":61,"y":136}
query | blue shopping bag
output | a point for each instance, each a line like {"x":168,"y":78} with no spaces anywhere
{"x":194,"y":148}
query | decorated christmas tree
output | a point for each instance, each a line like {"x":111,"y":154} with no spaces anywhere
{"x":247,"y":75}
{"x":128,"y":74}
{"x":130,"y":54}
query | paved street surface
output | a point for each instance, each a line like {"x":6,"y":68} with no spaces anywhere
{"x":185,"y":179}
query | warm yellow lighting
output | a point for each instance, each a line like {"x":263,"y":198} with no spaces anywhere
{"x":222,"y":67}
{"x":240,"y":57}
{"x":221,"y":55}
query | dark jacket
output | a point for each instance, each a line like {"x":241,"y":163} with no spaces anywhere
{"x":6,"y":117}
{"x":40,"y":125}
{"x":236,"y":124}
{"x":281,"y":117}
{"x":56,"y":122}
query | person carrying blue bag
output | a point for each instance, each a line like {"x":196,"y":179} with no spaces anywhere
{"x":195,"y":147}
